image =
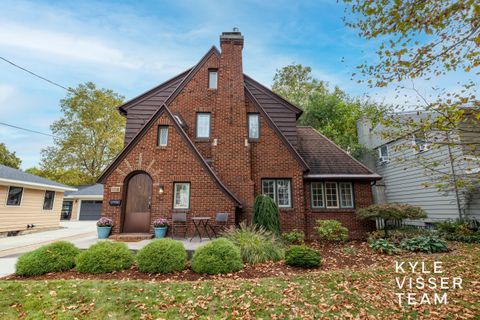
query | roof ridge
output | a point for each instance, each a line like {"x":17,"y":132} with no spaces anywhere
{"x":345,"y":152}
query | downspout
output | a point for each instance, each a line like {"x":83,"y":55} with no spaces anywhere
{"x":454,"y":175}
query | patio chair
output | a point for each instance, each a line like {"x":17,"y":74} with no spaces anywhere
{"x":220,"y":224}
{"x":179,"y":221}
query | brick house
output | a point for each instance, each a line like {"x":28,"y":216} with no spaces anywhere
{"x":212,"y":138}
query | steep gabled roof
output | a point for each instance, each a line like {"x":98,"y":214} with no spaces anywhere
{"x":272,"y":124}
{"x":186,"y":139}
{"x":327,"y":160}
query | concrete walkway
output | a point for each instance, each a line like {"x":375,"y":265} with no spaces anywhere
{"x":81,"y":233}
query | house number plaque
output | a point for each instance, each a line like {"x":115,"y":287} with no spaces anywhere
{"x":115,"y":203}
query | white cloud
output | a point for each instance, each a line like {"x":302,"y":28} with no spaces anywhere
{"x":6,"y":92}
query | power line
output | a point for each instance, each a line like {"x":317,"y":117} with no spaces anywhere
{"x":25,"y":129}
{"x":35,"y":75}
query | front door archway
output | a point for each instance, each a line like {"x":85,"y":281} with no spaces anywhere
{"x":138,"y":202}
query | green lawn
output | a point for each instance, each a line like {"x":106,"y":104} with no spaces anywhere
{"x":342,"y":294}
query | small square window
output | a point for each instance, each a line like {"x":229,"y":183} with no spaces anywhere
{"x":253,"y":126}
{"x":212,"y":79}
{"x":280,"y":190}
{"x":331,"y":194}
{"x":162,"y":137}
{"x":14,"y":196}
{"x":203,"y":125}
{"x":181,"y":195}
{"x":48,"y":200}
{"x":317,"y":195}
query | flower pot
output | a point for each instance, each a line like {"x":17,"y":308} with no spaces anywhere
{"x":160,"y":232}
{"x":103,"y":232}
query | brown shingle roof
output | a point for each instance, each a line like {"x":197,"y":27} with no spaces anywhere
{"x":325,"y":158}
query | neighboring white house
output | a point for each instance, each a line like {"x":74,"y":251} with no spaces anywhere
{"x":83,"y":204}
{"x":405,"y":181}
{"x":28,"y":202}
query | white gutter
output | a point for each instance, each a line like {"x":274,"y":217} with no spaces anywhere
{"x":343,"y":176}
{"x":84,"y":197}
{"x":35,"y":185}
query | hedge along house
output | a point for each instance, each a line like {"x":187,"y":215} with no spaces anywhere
{"x":212,"y":138}
{"x":28,"y":202}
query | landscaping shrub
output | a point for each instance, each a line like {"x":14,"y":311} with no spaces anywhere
{"x":396,"y":236}
{"x":265,"y":214}
{"x":103,"y":257}
{"x":293,"y":237}
{"x":54,"y":257}
{"x":255,"y":243}
{"x":162,"y":256}
{"x":302,"y":256}
{"x":391,"y":211}
{"x":428,"y":244}
{"x":473,"y":238}
{"x":384,"y":246}
{"x":218,"y":256}
{"x":331,"y":230}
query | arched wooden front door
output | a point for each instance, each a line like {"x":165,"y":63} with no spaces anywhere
{"x":138,"y":203}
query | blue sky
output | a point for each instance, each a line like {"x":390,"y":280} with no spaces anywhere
{"x":132,"y":46}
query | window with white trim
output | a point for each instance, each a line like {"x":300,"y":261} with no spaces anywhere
{"x":212,"y":79}
{"x":280,"y":190}
{"x":162,"y":137}
{"x":253,"y":126}
{"x":419,"y":143}
{"x":331,"y":194}
{"x":14,"y":197}
{"x":346,"y":194}
{"x":383,"y":155}
{"x":181,"y":195}
{"x":203,"y":125}
{"x":48,"y":200}
{"x":316,"y":190}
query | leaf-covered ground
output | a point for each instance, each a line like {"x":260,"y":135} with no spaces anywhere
{"x":365,"y":293}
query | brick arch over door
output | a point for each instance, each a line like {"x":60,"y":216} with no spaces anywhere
{"x":138,"y":188}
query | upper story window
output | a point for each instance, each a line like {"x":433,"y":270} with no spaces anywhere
{"x":253,"y":126}
{"x":14,"y":196}
{"x":383,"y":155}
{"x":280,"y":190}
{"x":181,"y":195}
{"x":331,"y":195}
{"x":419,"y":143}
{"x":212,"y":79}
{"x":48,"y":200}
{"x":203,"y":125}
{"x":162,"y":136}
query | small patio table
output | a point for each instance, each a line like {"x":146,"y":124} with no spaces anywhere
{"x":200,"y":222}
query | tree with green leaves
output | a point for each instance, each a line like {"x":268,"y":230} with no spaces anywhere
{"x":8,"y":158}
{"x":331,"y":112}
{"x":87,"y":138}
{"x":426,"y":40}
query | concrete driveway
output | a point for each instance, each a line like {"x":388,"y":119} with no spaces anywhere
{"x":12,"y":247}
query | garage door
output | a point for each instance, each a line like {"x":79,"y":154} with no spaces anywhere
{"x":90,"y":210}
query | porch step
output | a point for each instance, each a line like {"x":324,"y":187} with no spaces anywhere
{"x":131,"y":237}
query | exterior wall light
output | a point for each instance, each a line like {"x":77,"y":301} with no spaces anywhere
{"x":161,"y":189}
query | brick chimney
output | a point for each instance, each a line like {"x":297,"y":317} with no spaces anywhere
{"x":232,"y":153}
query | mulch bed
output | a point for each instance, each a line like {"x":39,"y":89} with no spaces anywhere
{"x":353,"y":255}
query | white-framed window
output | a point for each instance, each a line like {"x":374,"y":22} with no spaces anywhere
{"x":14,"y":197}
{"x":317,"y":195}
{"x":331,"y":194}
{"x":162,"y":136}
{"x":280,"y":190}
{"x":253,"y":126}
{"x":419,"y":143}
{"x":203,"y":125}
{"x":212,"y":79}
{"x":383,"y":155}
{"x":181,"y":195}
{"x":346,"y":194}
{"x":48,"y":200}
